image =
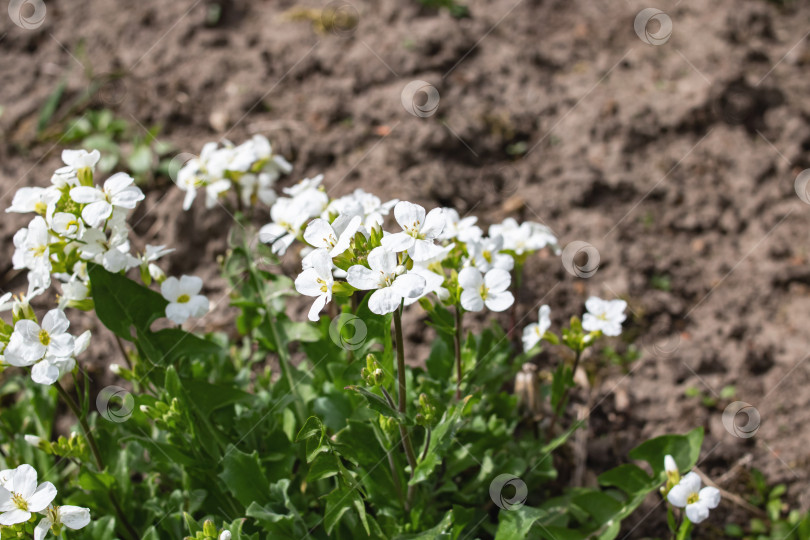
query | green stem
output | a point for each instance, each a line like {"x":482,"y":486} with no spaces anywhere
{"x":403,"y":402}
{"x":457,"y":346}
{"x":558,"y":409}
{"x":685,"y":531}
{"x":91,"y":441}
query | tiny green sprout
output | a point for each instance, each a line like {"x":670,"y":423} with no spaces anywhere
{"x":427,"y":412}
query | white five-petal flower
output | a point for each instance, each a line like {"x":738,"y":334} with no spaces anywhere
{"x":316,"y":281}
{"x":490,"y":290}
{"x":604,"y":315}
{"x":184,"y":298}
{"x":688,"y":494}
{"x":533,"y":333}
{"x":418,"y":231}
{"x":20,"y":495}
{"x":391,"y":282}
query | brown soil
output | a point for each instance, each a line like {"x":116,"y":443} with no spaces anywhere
{"x":677,"y":162}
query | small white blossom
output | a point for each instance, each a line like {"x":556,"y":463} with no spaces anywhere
{"x":490,"y":290}
{"x":462,"y":229}
{"x":533,"y":333}
{"x":485,"y":254}
{"x":20,"y":495}
{"x":688,"y":494}
{"x":525,"y":237}
{"x":34,"y":199}
{"x":56,"y":517}
{"x":118,"y":191}
{"x":80,"y":159}
{"x":604,"y":315}
{"x":184,"y":298}
{"x":336,"y":237}
{"x":31,"y":342}
{"x":316,"y":281}
{"x":385,"y":277}
{"x":418,"y":231}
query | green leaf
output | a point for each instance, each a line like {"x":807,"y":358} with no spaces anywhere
{"x":629,"y":478}
{"x":685,"y":449}
{"x":122,"y":304}
{"x":516,"y":523}
{"x":600,"y":506}
{"x":380,"y":405}
{"x":338,"y":503}
{"x":243,"y":476}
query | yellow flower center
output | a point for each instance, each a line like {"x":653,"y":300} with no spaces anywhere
{"x":693,"y":498}
{"x":39,"y":250}
{"x":322,"y":283}
{"x":40,"y":208}
{"x":19,"y":502}
{"x":487,"y":254}
{"x":484,"y":292}
{"x":44,"y":337}
{"x":183,"y":298}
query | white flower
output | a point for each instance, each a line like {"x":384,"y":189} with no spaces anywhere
{"x":80,"y":159}
{"x":360,"y":202}
{"x":485,"y":254}
{"x":533,"y":333}
{"x":491,"y":289}
{"x":184,"y":298}
{"x":288,"y":219}
{"x":391,"y":284}
{"x":67,"y":225}
{"x":118,"y":191}
{"x":31,"y":342}
{"x":34,"y":199}
{"x":225,"y":535}
{"x":669,"y":464}
{"x":20,"y":495}
{"x":258,"y":185}
{"x":433,"y":284}
{"x":463,"y":229}
{"x":32,"y":251}
{"x":687,"y":494}
{"x":305,"y":185}
{"x":526,"y":237}
{"x":56,"y":517}
{"x":214,"y":190}
{"x":418,"y":231}
{"x":316,"y":281}
{"x":113,"y":254}
{"x":335,"y":237}
{"x":604,"y":315}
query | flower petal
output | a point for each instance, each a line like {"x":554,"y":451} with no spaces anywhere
{"x":709,"y":496}
{"x":697,"y":512}
{"x":499,"y":301}
{"x":317,"y":306}
{"x":382,"y":260}
{"x":471,"y":300}
{"x":86,"y":194}
{"x":497,"y":280}
{"x":470,"y":278}
{"x":434,"y":223}
{"x":409,"y":215}
{"x":384,"y":301}
{"x":74,"y":517}
{"x":409,"y":285}
{"x":55,"y":322}
{"x":14,"y":516}
{"x":320,"y":234}
{"x":42,"y":497}
{"x":397,"y":242}
{"x":678,"y":496}
{"x":362,"y":278}
{"x":95,"y":213}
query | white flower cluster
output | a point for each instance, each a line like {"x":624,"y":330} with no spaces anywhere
{"x":252,"y":168}
{"x":21,"y":497}
{"x":77,"y":222}
{"x":432,"y":252}
{"x":686,"y":492}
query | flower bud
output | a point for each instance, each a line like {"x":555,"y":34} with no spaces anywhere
{"x":400,"y":270}
{"x":209,"y":529}
{"x":225,"y":535}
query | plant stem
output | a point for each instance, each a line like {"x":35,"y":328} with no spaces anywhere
{"x":558,"y":409}
{"x":123,"y":352}
{"x":91,"y":441}
{"x":457,"y":344}
{"x":403,"y":402}
{"x":685,"y":530}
